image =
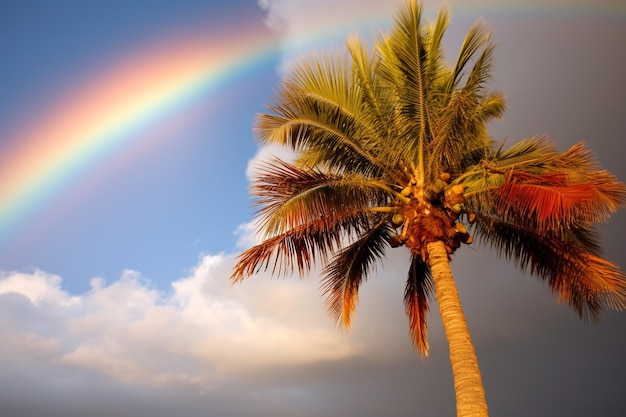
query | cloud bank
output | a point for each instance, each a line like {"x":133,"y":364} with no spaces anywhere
{"x":202,"y":328}
{"x":266,"y":347}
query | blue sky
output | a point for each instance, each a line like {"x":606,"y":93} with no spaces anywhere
{"x":114,"y":297}
{"x":161,"y":202}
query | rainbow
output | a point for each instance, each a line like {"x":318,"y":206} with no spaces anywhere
{"x":113,"y":109}
{"x":109,"y":111}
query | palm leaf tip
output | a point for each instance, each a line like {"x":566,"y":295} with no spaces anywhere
{"x":588,"y":283}
{"x":342,"y":294}
{"x":418,"y":288}
{"x":297,"y":249}
{"x":349,"y":268}
{"x":601,"y":282}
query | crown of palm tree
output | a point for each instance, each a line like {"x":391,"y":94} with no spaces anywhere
{"x":393,"y":149}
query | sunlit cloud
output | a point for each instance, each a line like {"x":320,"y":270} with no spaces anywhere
{"x":204,"y":327}
{"x":265,"y":154}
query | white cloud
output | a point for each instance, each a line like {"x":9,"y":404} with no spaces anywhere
{"x":197,"y":335}
{"x":204,"y":327}
{"x":39,"y":287}
{"x":266,"y":154}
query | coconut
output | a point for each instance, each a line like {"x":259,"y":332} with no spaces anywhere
{"x":439,"y":185}
{"x":397,"y":219}
{"x":456,"y":207}
{"x":458,"y":189}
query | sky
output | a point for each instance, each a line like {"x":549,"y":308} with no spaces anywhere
{"x":125,"y":152}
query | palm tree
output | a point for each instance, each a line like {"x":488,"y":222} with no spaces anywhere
{"x":392,"y":149}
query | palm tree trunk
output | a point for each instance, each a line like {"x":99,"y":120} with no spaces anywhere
{"x":468,"y":385}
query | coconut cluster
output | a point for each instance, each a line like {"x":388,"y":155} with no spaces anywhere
{"x":434,"y":217}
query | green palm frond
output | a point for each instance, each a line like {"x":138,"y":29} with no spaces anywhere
{"x":372,"y":94}
{"x":481,"y":71}
{"x":526,"y":153}
{"x":491,"y":107}
{"x":460,"y":131}
{"x":327,"y":117}
{"x":419,"y":287}
{"x":474,"y":41}
{"x":405,"y":63}
{"x":436,"y":61}
{"x":325,"y":76}
{"x":325,"y":128}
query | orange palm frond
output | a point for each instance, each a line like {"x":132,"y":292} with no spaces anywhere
{"x":419,"y":286}
{"x":596,"y":279}
{"x":567,"y":261}
{"x":552,"y":200}
{"x":349,"y":268}
{"x":298,"y":248}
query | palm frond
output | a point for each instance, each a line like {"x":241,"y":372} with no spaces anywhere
{"x":437,"y":31}
{"x":576,"y":275}
{"x":419,"y":287}
{"x":330,"y":118}
{"x":297,"y":249}
{"x":476,"y":38}
{"x":481,"y":71}
{"x":534,"y":185}
{"x":526,"y":153}
{"x":304,"y":214}
{"x":289,"y":196}
{"x":320,"y":107}
{"x":324,"y":75}
{"x":349,"y":268}
{"x":459,"y":132}
{"x":552,"y":200}
{"x":335,"y":135}
{"x":370,"y":91}
{"x":405,"y":64}
{"x":492,"y":106}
